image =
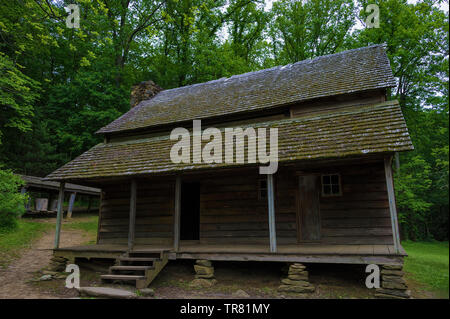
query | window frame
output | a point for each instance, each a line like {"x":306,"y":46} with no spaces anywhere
{"x":322,"y":190}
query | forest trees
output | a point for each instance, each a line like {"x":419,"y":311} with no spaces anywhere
{"x":321,"y":28}
{"x":59,"y":85}
{"x":416,"y":38}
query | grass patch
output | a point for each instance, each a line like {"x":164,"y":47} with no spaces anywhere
{"x":13,"y":241}
{"x":428,"y":264}
{"x":90,"y":225}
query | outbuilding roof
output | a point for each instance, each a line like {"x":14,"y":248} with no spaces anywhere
{"x":36,"y":182}
{"x":352,"y":131}
{"x":350,"y":71}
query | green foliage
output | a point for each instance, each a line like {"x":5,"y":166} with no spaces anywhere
{"x":17,"y":94}
{"x":12,"y":202}
{"x":58,"y":86}
{"x":320,"y":28}
{"x":412,"y":181}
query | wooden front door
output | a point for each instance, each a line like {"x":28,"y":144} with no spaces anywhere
{"x":308,"y":208}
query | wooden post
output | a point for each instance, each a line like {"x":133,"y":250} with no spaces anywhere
{"x":131,"y":232}
{"x":271,"y":206}
{"x":71,"y":202}
{"x":59,"y":214}
{"x":392,"y":207}
{"x":176,"y":228}
{"x":100,"y":215}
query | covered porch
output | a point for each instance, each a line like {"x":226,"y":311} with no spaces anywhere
{"x":236,"y":224}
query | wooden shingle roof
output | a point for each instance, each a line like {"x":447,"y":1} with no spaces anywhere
{"x":346,"y":72}
{"x":369,"y":129}
{"x":36,"y":182}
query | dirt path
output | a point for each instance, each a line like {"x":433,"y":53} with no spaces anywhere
{"x":14,"y":280}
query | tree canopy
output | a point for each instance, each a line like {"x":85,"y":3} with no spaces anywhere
{"x":59,"y":85}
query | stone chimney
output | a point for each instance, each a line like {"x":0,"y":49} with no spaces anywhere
{"x":143,"y":91}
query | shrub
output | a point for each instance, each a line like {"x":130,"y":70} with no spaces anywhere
{"x":11,"y":200}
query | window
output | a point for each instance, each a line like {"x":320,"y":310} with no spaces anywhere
{"x":262,"y":189}
{"x":331,"y":185}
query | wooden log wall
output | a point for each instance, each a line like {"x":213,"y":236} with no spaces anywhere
{"x":154,"y":212}
{"x":361,"y":214}
{"x":232,"y":212}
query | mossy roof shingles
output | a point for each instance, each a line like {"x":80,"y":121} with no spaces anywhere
{"x":368,"y":129}
{"x":346,"y":72}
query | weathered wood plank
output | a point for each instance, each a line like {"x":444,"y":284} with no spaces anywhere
{"x":392,"y":207}
{"x":71,"y":203}
{"x":132,"y":222}
{"x":177,"y":212}
{"x":59,"y":214}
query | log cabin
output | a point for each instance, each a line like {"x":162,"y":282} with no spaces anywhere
{"x":331,"y":199}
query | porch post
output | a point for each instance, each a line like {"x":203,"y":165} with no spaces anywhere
{"x":392,"y":207}
{"x":176,"y":229}
{"x":271,"y":206}
{"x":131,"y":231}
{"x":59,"y":213}
{"x":71,"y":202}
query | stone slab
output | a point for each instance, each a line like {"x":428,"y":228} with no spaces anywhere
{"x":298,"y":289}
{"x":288,"y":281}
{"x":392,"y":267}
{"x":392,"y":272}
{"x":106,"y":292}
{"x":204,"y":262}
{"x":394,"y":292}
{"x":203,"y":270}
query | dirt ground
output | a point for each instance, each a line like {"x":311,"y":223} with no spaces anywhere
{"x":15,"y":279}
{"x":258,"y":280}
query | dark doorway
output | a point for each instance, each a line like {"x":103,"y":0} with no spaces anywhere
{"x":190,"y":211}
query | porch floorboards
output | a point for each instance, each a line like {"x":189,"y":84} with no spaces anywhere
{"x":360,"y":254}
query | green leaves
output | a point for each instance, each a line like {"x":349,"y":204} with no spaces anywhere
{"x":12,"y":202}
{"x":58,"y":86}
{"x":307,"y":29}
{"x":18,"y":92}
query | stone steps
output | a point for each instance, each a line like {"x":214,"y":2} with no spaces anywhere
{"x":105,"y":292}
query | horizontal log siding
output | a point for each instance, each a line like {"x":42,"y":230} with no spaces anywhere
{"x":361,"y":214}
{"x":154,"y":213}
{"x":230,"y":211}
